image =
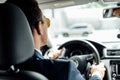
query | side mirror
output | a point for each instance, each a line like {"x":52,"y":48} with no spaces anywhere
{"x":111,"y":12}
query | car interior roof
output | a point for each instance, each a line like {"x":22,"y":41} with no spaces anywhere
{"x":59,"y":3}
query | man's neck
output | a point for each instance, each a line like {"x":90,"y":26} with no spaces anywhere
{"x":36,"y":39}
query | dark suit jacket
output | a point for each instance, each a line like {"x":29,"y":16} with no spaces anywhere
{"x":53,"y":69}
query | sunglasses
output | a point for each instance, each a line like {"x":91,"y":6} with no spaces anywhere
{"x":47,"y":20}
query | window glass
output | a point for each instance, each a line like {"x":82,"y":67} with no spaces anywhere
{"x":89,"y":16}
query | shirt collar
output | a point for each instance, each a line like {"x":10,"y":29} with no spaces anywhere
{"x":38,"y":51}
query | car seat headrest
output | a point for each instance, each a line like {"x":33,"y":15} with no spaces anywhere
{"x":16,"y":42}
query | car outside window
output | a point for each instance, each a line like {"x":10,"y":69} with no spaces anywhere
{"x":82,"y":22}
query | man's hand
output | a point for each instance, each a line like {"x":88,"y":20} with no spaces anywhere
{"x":54,"y":54}
{"x":98,"y":70}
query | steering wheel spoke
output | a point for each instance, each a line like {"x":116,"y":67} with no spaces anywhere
{"x":90,"y":57}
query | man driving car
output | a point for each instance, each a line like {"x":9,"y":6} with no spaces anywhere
{"x":52,"y":69}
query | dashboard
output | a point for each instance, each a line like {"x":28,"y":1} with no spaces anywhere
{"x":110,"y":56}
{"x":109,"y":52}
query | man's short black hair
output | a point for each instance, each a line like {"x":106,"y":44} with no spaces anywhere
{"x":31,"y":10}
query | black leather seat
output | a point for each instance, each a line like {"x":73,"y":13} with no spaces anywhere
{"x":16,"y":44}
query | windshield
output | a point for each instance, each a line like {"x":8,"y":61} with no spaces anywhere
{"x":82,"y":22}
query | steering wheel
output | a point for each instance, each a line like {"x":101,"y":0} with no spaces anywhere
{"x":82,"y":52}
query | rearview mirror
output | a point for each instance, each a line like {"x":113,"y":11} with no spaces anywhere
{"x":111,"y":12}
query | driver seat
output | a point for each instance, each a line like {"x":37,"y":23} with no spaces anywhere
{"x":16,"y":44}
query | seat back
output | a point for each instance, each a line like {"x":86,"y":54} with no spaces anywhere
{"x":16,"y":44}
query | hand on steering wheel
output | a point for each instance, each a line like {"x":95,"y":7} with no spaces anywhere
{"x":81,"y":60}
{"x":55,"y":54}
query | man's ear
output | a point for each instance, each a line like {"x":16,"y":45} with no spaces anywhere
{"x":40,"y":28}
